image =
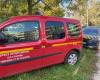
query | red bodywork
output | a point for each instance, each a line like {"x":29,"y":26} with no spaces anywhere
{"x":38,"y":54}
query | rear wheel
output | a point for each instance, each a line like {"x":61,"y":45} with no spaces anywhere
{"x":72,"y":58}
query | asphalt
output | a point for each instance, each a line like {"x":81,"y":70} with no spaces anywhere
{"x":96,"y":75}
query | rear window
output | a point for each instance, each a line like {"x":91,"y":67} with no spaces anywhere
{"x":91,"y":31}
{"x":73,"y":30}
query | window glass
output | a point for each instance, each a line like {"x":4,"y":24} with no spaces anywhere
{"x":73,"y":30}
{"x":54,"y":30}
{"x":22,"y":32}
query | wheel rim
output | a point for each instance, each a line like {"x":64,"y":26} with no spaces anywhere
{"x":72,"y":59}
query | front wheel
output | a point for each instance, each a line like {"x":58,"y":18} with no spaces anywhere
{"x":72,"y":58}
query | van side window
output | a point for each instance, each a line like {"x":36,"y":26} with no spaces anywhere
{"x":22,"y":32}
{"x":54,"y":30}
{"x":73,"y":30}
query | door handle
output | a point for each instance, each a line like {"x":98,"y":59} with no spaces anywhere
{"x":37,"y":47}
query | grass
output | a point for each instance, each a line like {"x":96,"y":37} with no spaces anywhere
{"x":83,"y":70}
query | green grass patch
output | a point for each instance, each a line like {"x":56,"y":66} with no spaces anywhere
{"x":83,"y":70}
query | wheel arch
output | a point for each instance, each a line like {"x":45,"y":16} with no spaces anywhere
{"x":77,"y":50}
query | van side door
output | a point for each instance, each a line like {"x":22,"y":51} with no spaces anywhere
{"x":55,"y":37}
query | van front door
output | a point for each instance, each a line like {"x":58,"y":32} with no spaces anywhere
{"x":22,"y":48}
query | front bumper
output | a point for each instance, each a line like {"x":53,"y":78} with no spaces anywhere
{"x":90,"y":43}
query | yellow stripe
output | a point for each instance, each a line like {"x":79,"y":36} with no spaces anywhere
{"x":68,"y":43}
{"x":16,"y":50}
{"x":27,"y":49}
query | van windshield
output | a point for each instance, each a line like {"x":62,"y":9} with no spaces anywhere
{"x":91,"y":32}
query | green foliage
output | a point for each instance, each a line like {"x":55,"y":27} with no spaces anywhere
{"x":80,"y":7}
{"x":94,"y":14}
{"x":10,"y":8}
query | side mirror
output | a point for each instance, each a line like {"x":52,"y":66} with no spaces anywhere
{"x":2,"y":38}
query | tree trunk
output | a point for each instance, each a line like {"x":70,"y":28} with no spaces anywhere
{"x":29,"y":2}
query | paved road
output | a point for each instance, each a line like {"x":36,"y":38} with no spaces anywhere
{"x":97,"y":74}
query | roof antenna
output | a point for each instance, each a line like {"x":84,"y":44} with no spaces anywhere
{"x":38,"y":12}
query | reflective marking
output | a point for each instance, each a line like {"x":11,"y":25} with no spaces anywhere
{"x":30,"y":59}
{"x":16,"y":50}
{"x":68,"y":43}
{"x":43,"y":46}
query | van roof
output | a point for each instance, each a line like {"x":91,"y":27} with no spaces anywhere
{"x":39,"y":17}
{"x":29,"y":16}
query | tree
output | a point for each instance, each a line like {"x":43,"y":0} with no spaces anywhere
{"x":10,"y":8}
{"x":78,"y":7}
{"x":94,"y":13}
{"x":29,"y":2}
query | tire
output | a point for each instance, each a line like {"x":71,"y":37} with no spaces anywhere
{"x":72,"y":58}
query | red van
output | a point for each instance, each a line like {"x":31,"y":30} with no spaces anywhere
{"x":33,"y":42}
